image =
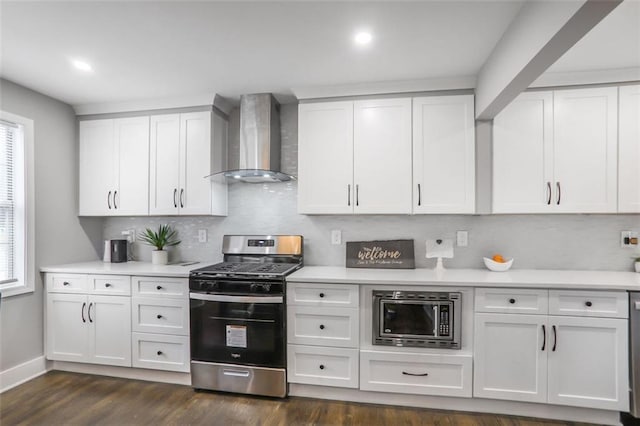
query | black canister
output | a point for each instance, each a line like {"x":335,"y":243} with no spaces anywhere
{"x":118,"y":251}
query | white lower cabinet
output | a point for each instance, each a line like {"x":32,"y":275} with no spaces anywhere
{"x":323,"y":326}
{"x":416,"y":373}
{"x":323,"y":366}
{"x":576,"y":360}
{"x":89,"y":328}
{"x":160,"y":352}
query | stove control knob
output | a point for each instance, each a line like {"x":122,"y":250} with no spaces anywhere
{"x":254,"y":288}
{"x":266,"y":288}
{"x":209,"y":285}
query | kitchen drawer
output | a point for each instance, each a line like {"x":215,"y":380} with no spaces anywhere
{"x":412,"y":373}
{"x":110,"y":284}
{"x":160,"y":286}
{"x":311,"y":294}
{"x":157,"y":315}
{"x":66,"y":283}
{"x":315,"y":365}
{"x":612,"y":304}
{"x":512,"y":301}
{"x":308,"y":325}
{"x":160,"y":352}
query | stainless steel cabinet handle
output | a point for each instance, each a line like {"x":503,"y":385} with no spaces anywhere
{"x":559,"y":193}
{"x":109,"y":200}
{"x":548,"y":193}
{"x":555,"y":338}
{"x":83,"y":306}
{"x":89,"y":312}
{"x":414,"y":374}
{"x":175,"y":202}
{"x":544,"y":337}
{"x":349,"y":194}
{"x":115,"y":194}
{"x":182,"y":198}
{"x":357,"y":195}
{"x":419,"y":196}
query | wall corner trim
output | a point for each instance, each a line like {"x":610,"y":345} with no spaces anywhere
{"x":22,"y":373}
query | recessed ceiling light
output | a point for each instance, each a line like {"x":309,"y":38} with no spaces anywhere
{"x":363,"y":38}
{"x":81,"y":65}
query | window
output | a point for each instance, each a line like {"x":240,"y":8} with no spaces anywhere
{"x":16,"y":205}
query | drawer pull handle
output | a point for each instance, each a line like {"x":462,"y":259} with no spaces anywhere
{"x":321,"y":295}
{"x":159,"y":316}
{"x":321,"y":326}
{"x":84,"y":304}
{"x":512,"y":301}
{"x":544,"y":337}
{"x":107,"y":285}
{"x":65,"y":283}
{"x":588,"y":303}
{"x":159,"y":287}
{"x":159,"y":353}
{"x":414,"y":374}
{"x":555,"y":338}
{"x":321,"y":367}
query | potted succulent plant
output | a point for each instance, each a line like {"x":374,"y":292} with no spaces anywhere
{"x":165,"y":237}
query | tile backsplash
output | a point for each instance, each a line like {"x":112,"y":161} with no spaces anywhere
{"x":535,"y":241}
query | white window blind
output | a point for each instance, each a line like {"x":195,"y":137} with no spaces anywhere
{"x":9,"y":134}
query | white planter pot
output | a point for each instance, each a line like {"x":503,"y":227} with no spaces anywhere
{"x":637,"y":265}
{"x":159,"y":257}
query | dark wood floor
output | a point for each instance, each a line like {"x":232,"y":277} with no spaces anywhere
{"x":78,"y":399}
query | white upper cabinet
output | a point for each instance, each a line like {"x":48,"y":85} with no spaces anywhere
{"x":629,"y":150}
{"x":185,"y":149}
{"x":444,"y":154}
{"x":585,"y":150}
{"x":522,"y":162}
{"x":325,"y":153}
{"x":382,"y":156}
{"x":114,"y":167}
{"x":556,"y":152}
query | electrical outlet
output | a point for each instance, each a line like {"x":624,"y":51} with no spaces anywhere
{"x":628,"y":239}
{"x":130,"y":234}
{"x":336,"y":237}
{"x":462,"y":238}
{"x":202,"y":235}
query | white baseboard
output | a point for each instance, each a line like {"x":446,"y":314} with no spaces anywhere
{"x":125,"y":372}
{"x":14,"y":376}
{"x":478,"y":405}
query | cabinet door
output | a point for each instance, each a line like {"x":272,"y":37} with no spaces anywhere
{"x":325,"y":158}
{"x":588,"y":362}
{"x":164,"y":164}
{"x":629,"y":146}
{"x":382,"y":156}
{"x":132,"y":143}
{"x":97,"y":177}
{"x":110,"y":337}
{"x":444,"y":154}
{"x":585,"y":150}
{"x":67,"y":327}
{"x":522,"y":155}
{"x":510,"y":357}
{"x":195,"y":157}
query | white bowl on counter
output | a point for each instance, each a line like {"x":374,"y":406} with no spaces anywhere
{"x":494,"y":266}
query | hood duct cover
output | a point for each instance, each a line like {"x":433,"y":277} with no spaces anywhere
{"x":259,"y":156}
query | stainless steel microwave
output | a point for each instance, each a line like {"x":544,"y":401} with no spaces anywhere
{"x":417,"y":318}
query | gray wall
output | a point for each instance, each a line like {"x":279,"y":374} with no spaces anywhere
{"x":535,"y":241}
{"x":60,"y":237}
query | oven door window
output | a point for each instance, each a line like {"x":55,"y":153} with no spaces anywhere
{"x":408,"y":319}
{"x":238,"y":333}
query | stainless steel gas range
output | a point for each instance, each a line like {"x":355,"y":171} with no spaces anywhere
{"x":238,"y":319}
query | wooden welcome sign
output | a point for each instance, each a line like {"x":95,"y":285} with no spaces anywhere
{"x":391,"y":254}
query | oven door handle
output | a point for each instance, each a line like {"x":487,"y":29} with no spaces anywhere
{"x":235,"y":299}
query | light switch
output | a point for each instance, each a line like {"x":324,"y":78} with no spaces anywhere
{"x":462,"y":238}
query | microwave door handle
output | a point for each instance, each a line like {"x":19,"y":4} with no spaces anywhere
{"x":436,"y":319}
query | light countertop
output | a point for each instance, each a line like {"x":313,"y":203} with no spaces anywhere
{"x":126,"y":268}
{"x":525,"y":278}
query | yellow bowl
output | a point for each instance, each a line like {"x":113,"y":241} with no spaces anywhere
{"x":494,"y":266}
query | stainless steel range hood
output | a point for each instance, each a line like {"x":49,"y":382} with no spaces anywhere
{"x":259,"y":157}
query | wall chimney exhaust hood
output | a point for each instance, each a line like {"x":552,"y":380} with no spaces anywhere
{"x":259,"y":157}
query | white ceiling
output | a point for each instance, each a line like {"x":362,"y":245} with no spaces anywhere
{"x":148,"y":50}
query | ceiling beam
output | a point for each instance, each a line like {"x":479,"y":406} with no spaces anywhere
{"x":540,"y":34}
